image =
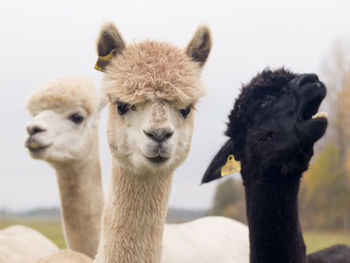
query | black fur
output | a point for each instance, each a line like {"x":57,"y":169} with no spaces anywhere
{"x":272,"y":134}
{"x":334,"y":254}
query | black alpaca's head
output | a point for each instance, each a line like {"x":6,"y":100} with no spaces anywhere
{"x":272,"y":123}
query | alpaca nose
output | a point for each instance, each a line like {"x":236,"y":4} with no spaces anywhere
{"x":34,"y":129}
{"x":306,"y":78}
{"x":159,"y":135}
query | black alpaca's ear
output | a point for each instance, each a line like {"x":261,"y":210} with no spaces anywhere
{"x":213,"y":171}
{"x":109,"y":44}
{"x":199,"y":47}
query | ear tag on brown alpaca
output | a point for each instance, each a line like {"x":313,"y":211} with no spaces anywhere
{"x":231,"y":166}
{"x":102,"y":61}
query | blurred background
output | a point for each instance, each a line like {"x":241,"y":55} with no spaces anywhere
{"x":41,"y":40}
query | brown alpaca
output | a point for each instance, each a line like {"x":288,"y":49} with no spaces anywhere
{"x":152,"y":89}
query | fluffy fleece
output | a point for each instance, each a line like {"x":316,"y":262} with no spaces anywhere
{"x":21,"y":244}
{"x":74,"y":92}
{"x":149,"y":70}
{"x":66,"y":256}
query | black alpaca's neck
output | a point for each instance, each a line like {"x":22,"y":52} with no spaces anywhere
{"x":272,"y":210}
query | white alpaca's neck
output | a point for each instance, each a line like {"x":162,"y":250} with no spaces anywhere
{"x":82,"y":202}
{"x":134,"y":217}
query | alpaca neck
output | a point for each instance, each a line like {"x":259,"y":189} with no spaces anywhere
{"x":134,"y":217}
{"x":272,"y":210}
{"x":82,"y":202}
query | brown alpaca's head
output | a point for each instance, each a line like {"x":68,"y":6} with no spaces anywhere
{"x":152,"y":89}
{"x":274,"y":123}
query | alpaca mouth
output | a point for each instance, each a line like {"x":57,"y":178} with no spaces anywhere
{"x":35,"y":147}
{"x":310,"y":109}
{"x":158,"y":159}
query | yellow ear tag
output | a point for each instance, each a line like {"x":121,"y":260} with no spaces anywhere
{"x":231,"y":166}
{"x":103,"y":60}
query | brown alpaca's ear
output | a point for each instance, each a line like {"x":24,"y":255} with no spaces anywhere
{"x":214,"y":170}
{"x":109,"y":44}
{"x":199,"y":47}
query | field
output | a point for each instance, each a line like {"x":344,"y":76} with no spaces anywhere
{"x":53,"y":230}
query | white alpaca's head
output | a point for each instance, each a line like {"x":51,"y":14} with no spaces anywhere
{"x":65,"y":120}
{"x":152,"y":89}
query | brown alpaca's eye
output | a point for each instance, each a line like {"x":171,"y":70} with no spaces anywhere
{"x":76,"y":118}
{"x":123,"y":108}
{"x":184,"y":112}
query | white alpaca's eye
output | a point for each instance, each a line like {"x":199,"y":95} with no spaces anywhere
{"x":184,"y":112}
{"x":76,"y":118}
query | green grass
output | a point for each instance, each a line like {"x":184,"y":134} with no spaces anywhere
{"x":319,"y":240}
{"x":53,"y":230}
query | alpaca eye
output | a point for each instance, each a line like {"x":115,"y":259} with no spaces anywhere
{"x":184,"y":112}
{"x":76,"y":118}
{"x":123,"y":108}
{"x":263,"y":105}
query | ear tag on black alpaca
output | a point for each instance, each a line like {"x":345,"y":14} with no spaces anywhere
{"x":231,"y":166}
{"x":103,"y":60}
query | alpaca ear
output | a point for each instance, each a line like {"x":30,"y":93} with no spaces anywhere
{"x":214,"y":170}
{"x":109,"y":44}
{"x":199,"y":47}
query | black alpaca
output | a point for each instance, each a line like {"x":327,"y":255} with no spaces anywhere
{"x":272,"y":134}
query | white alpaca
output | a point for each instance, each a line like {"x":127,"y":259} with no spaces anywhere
{"x":21,"y":244}
{"x":64,"y":132}
{"x":152,"y":89}
{"x":66,"y":256}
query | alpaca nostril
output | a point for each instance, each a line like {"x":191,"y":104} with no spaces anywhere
{"x":159,"y":135}
{"x":34,"y":129}
{"x":308,"y":78}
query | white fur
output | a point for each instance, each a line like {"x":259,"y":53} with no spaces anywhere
{"x":21,"y":244}
{"x":72,"y":150}
{"x":206,"y":240}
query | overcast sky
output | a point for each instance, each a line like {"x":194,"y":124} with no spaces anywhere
{"x":41,"y":40}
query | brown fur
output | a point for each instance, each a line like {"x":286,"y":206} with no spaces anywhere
{"x":109,"y":39}
{"x":149,"y":70}
{"x":200,"y":45}
{"x":162,"y":79}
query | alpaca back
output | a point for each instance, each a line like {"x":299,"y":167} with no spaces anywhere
{"x":21,"y":244}
{"x":66,"y":256}
{"x":209,"y":239}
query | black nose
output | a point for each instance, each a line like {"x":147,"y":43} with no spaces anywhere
{"x":307,"y":78}
{"x":34,"y":129}
{"x":159,"y":135}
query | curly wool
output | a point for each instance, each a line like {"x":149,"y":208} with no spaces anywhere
{"x":62,"y":94}
{"x":149,"y":70}
{"x":239,"y":116}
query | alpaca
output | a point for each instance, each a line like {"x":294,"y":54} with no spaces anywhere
{"x":21,"y":244}
{"x":64,"y":132}
{"x":66,"y":256}
{"x":152,"y":89}
{"x":272,"y":130}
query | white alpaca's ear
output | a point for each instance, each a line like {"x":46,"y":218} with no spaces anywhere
{"x":109,"y":44}
{"x":199,"y":47}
